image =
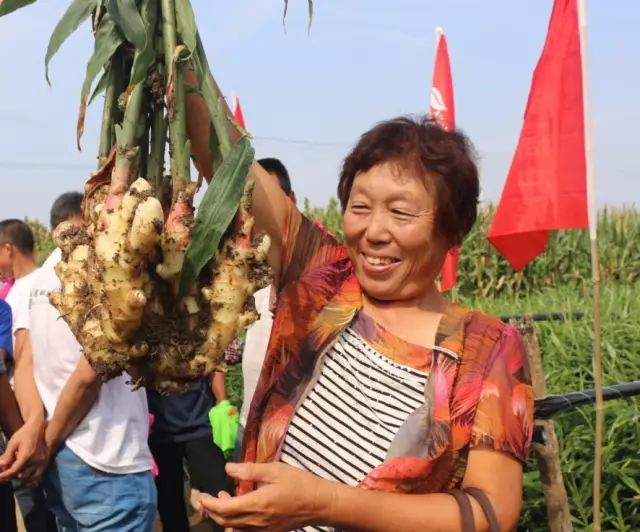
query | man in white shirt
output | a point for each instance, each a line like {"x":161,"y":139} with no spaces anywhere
{"x":99,"y":475}
{"x":17,"y":262}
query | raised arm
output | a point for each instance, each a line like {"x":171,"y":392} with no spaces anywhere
{"x":270,"y":204}
{"x":271,"y":208}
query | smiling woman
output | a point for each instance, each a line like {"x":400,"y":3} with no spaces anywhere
{"x":381,"y":404}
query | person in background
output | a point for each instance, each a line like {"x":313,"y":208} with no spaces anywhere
{"x":181,"y":433}
{"x":257,"y":337}
{"x":10,"y":419}
{"x":17,"y":263}
{"x":96,"y":454}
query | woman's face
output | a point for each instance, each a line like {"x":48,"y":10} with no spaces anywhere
{"x":389,"y":228}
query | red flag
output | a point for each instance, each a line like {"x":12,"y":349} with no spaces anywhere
{"x":546,"y":188}
{"x":236,"y":110}
{"x":442,"y":109}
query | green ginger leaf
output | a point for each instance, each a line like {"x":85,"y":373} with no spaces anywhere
{"x":128,"y":20}
{"x":8,"y":6}
{"x":107,"y":41}
{"x":144,"y":57}
{"x":216,"y":211}
{"x":186,"y":22}
{"x":76,"y":14}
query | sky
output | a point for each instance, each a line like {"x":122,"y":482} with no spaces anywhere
{"x":307,"y":97}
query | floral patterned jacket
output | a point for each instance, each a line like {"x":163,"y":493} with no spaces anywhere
{"x":478,"y":394}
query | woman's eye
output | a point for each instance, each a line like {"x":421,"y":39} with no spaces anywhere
{"x":401,"y":214}
{"x":359,"y":208}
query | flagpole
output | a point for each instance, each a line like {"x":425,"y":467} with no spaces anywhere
{"x":595,"y":269}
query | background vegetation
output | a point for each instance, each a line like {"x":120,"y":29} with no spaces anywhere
{"x":558,"y":281}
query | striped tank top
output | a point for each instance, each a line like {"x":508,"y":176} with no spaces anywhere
{"x":345,"y":426}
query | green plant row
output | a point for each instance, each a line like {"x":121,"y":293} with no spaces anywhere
{"x":567,"y":349}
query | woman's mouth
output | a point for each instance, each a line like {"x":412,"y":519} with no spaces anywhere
{"x":378,"y":264}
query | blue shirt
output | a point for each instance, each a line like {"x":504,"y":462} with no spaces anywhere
{"x":182,"y":417}
{"x":6,"y":342}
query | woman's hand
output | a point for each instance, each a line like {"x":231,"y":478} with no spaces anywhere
{"x":287,"y":498}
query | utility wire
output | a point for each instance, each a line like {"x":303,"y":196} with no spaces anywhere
{"x":83,"y":166}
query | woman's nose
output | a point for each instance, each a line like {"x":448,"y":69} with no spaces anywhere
{"x":377,"y":228}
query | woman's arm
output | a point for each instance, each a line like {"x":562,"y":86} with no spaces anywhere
{"x":270,"y":203}
{"x":289,"y":498}
{"x":497,"y":474}
{"x":270,"y":208}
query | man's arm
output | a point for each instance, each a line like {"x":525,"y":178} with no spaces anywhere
{"x":77,"y":397}
{"x":218,"y":386}
{"x":24,"y":449}
{"x":27,"y":393}
{"x":10,"y":419}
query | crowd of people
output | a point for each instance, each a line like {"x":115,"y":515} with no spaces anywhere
{"x":371,"y":401}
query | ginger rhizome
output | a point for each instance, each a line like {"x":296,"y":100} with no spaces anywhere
{"x":126,"y":315}
{"x":141,"y":290}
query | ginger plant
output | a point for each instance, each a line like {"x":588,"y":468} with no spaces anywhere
{"x":149,"y":286}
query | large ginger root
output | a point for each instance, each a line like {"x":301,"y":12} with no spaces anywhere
{"x":103,"y":276}
{"x":222,"y":309}
{"x":124,"y":311}
{"x":131,"y":231}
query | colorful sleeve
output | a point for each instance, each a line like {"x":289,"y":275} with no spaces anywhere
{"x":306,"y":245}
{"x":504,"y":416}
{"x":6,"y":342}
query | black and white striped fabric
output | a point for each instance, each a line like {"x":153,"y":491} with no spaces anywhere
{"x":345,"y":426}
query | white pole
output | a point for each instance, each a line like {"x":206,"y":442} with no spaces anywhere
{"x":595,"y":268}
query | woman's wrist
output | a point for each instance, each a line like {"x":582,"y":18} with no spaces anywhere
{"x":325,"y":509}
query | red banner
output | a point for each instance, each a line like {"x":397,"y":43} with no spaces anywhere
{"x":546,"y":187}
{"x":443,"y":110}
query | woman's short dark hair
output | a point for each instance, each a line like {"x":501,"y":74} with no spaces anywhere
{"x":445,"y":159}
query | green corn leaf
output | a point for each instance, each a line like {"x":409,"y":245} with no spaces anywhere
{"x":7,"y":6}
{"x":144,"y":57}
{"x":216,"y":211}
{"x":128,"y":20}
{"x":186,"y":22}
{"x":100,"y":86}
{"x":107,"y":41}
{"x":76,"y":14}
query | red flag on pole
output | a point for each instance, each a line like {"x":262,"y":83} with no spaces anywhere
{"x":546,"y":188}
{"x":443,"y":110}
{"x":236,"y":110}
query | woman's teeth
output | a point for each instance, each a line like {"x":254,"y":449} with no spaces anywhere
{"x":379,"y":261}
